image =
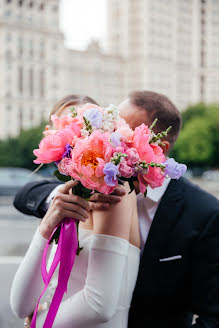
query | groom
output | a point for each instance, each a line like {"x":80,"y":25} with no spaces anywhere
{"x":179,"y":227}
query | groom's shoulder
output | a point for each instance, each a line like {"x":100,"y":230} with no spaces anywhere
{"x":197,"y":198}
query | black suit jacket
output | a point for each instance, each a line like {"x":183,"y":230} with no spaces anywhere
{"x":168,"y":293}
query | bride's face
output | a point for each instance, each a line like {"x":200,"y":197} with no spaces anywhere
{"x":132,"y":114}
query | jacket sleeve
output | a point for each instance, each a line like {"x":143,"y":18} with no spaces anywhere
{"x":30,"y":198}
{"x":205,"y":276}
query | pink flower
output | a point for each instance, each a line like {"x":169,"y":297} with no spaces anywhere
{"x":120,"y":149}
{"x":87,"y":106}
{"x":49,"y":132}
{"x":125,"y":170}
{"x":52,"y":146}
{"x":125,"y":131}
{"x":155,"y":177}
{"x":133,"y":156}
{"x":148,"y":153}
{"x":142,"y":184}
{"x":64,"y":121}
{"x":141,"y":135}
{"x":89,"y":157}
{"x":65,"y":166}
{"x":141,"y":143}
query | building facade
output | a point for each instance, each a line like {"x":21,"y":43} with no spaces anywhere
{"x":170,"y":47}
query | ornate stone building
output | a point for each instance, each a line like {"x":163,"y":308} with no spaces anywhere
{"x":169,"y":46}
{"x":36,"y":69}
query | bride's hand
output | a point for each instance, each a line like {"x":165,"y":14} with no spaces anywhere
{"x":64,"y":205}
{"x":27,"y":320}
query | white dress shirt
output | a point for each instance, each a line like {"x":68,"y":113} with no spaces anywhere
{"x":147,"y":207}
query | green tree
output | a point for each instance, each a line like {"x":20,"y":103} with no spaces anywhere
{"x":18,"y":152}
{"x":198,"y":143}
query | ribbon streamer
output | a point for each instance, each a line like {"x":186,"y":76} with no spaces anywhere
{"x":65,"y":254}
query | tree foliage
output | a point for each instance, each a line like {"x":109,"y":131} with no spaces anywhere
{"x":198,"y":143}
{"x":18,"y":152}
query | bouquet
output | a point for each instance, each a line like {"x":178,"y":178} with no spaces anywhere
{"x":97,"y":147}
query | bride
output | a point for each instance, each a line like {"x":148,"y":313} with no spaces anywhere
{"x":103,"y":278}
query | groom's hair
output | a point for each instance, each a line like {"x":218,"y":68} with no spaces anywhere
{"x":158,"y":106}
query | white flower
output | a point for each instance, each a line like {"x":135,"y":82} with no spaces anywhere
{"x":84,"y":133}
{"x":110,"y":117}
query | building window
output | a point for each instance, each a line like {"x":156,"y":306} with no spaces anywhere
{"x":8,"y":1}
{"x":31,"y":116}
{"x":42,"y":82}
{"x":20,"y":118}
{"x":31,"y":4}
{"x":20,"y":47}
{"x":41,"y":6}
{"x":8,"y":12}
{"x":54,"y":8}
{"x":31,"y":82}
{"x":41,"y":48}
{"x":8,"y":37}
{"x":202,"y":88}
{"x":31,"y":48}
{"x":20,"y":3}
{"x":20,"y":79}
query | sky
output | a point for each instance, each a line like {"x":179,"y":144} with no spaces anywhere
{"x":83,"y":20}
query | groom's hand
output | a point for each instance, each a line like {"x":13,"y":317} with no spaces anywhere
{"x":100,"y":202}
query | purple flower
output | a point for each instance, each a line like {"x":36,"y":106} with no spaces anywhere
{"x":94,"y":116}
{"x":67,"y":152}
{"x":115,"y":139}
{"x":110,"y":170}
{"x":173,"y":169}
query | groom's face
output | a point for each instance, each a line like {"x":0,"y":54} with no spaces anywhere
{"x":133,"y":115}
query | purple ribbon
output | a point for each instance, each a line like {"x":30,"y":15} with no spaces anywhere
{"x":65,"y":254}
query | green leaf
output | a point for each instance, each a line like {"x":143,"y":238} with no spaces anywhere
{"x":82,"y":191}
{"x":131,"y":185}
{"x":145,"y":193}
{"x":61,"y":177}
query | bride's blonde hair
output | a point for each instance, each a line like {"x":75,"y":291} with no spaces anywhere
{"x":70,"y":100}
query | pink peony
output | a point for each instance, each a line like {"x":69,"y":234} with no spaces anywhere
{"x":120,"y":149}
{"x":125,"y":170}
{"x":52,"y":146}
{"x":125,"y":131}
{"x":141,"y":143}
{"x":66,"y":120}
{"x":65,"y":166}
{"x":155,"y":177}
{"x":89,"y":157}
{"x":49,"y":132}
{"x":148,"y":153}
{"x":87,"y":106}
{"x":133,"y":156}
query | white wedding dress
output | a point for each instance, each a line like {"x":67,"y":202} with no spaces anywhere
{"x":100,"y":286}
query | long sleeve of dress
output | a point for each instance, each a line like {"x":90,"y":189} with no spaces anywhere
{"x":97,"y":302}
{"x":28,"y":282}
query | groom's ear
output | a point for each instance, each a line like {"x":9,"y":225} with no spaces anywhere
{"x":165,"y":145}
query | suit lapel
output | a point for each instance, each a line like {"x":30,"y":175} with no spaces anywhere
{"x":164,"y":221}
